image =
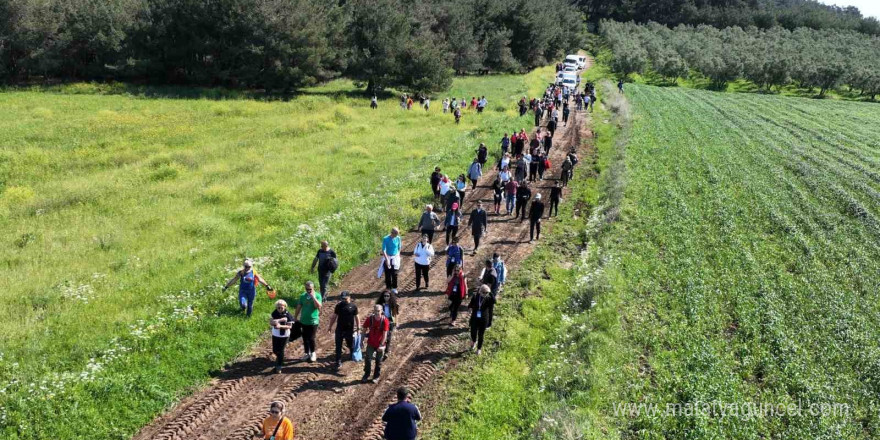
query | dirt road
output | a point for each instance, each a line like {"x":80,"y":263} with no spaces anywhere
{"x":328,"y":405}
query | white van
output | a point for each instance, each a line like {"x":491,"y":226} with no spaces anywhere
{"x":582,"y":61}
{"x":571,"y":60}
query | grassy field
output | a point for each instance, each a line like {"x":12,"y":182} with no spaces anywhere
{"x":734,"y":295}
{"x":122,"y":214}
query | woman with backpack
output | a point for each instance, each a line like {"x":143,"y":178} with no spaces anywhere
{"x":388,"y":301}
{"x":456,"y":291}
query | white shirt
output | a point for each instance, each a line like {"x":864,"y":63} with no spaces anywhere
{"x":423,"y":253}
{"x":444,"y":187}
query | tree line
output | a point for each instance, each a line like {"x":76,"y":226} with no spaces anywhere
{"x":281,"y":45}
{"x":763,"y":14}
{"x":808,"y":58}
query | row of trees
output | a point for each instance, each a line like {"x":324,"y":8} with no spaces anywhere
{"x":772,"y":57}
{"x":764,"y":14}
{"x":281,"y":44}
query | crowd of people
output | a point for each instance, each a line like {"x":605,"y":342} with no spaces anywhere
{"x":523,"y":159}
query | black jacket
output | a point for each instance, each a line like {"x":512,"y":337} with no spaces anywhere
{"x":523,"y":194}
{"x":478,"y":221}
{"x":537,"y":210}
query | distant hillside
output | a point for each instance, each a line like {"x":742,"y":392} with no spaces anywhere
{"x":764,"y":14}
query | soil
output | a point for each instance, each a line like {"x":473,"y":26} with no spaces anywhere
{"x":324,"y":403}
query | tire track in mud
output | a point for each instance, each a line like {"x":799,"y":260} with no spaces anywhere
{"x":326,"y":404}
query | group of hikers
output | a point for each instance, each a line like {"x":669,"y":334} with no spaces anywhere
{"x":453,"y":105}
{"x":523,"y":160}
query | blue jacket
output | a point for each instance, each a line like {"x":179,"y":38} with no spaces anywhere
{"x":454,"y":254}
{"x":400,"y":421}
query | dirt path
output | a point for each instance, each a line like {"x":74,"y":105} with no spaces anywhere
{"x":324,"y":404}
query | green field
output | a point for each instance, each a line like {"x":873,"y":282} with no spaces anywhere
{"x":122,"y":214}
{"x":739,"y":282}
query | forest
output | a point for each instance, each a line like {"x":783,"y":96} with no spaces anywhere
{"x":281,"y":45}
{"x":808,"y":58}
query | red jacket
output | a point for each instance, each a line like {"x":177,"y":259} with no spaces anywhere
{"x":462,"y":282}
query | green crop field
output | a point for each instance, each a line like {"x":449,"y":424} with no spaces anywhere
{"x":121,"y":215}
{"x":734,"y":295}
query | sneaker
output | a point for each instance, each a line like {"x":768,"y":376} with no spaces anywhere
{"x":277,"y":370}
{"x":307,"y":357}
{"x":337,"y":366}
{"x":375,"y":380}
{"x":365,"y":378}
{"x":479,"y":352}
{"x":473,"y":346}
{"x":313,"y":357}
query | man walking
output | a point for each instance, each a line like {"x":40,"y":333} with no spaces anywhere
{"x":523,"y":194}
{"x":345,"y":316}
{"x":377,"y":326}
{"x":475,"y":172}
{"x":436,"y":177}
{"x":536,"y":211}
{"x":510,"y":195}
{"x":400,"y":418}
{"x":479,"y":223}
{"x":391,"y":253}
{"x":555,"y":198}
{"x":326,"y":261}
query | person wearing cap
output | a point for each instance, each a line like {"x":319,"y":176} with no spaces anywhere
{"x":280,"y":323}
{"x":422,"y":259}
{"x":536,"y":211}
{"x":247,"y":287}
{"x":324,"y":260}
{"x":479,"y":223}
{"x":276,"y":426}
{"x":345,"y":316}
{"x":400,"y":418}
{"x":390,"y":308}
{"x":391,"y":253}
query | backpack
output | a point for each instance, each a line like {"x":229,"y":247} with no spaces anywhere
{"x":331,"y":264}
{"x":573,"y":158}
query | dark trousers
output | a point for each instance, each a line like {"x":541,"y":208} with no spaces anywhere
{"x":554,"y":204}
{"x":478,"y":329}
{"x":474,"y":183}
{"x":541,"y":169}
{"x":391,"y":327}
{"x":477,"y":237}
{"x":429,"y":233}
{"x":348,"y":337}
{"x":454,"y":304}
{"x":308,"y":335}
{"x":449,"y":268}
{"x":565,"y":118}
{"x":533,"y":170}
{"x":451,"y":230}
{"x":421,"y":271}
{"x":534,"y":224}
{"x":368,"y":361}
{"x":520,"y":207}
{"x":461,"y":198}
{"x":390,"y":277}
{"x":323,"y":280}
{"x":278,"y":345}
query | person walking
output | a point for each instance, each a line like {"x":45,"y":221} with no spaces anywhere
{"x":454,"y":256}
{"x":536,"y":211}
{"x":377,"y":326}
{"x":276,"y":426}
{"x":309,"y":304}
{"x":522,"y":167}
{"x":390,"y":308}
{"x":482,"y":155}
{"x":500,"y":269}
{"x":480,"y":311}
{"x":445,"y":105}
{"x":510,"y":194}
{"x":400,"y":418}
{"x":551,"y":126}
{"x":374,"y":102}
{"x":489,"y":277}
{"x":391,"y":254}
{"x":427,"y":103}
{"x":345,"y":316}
{"x":247,"y":287}
{"x":479,"y":223}
{"x":457,"y":114}
{"x":565,"y":113}
{"x":475,"y":172}
{"x":327,"y":263}
{"x":523,"y":194}
{"x":505,"y":144}
{"x":456,"y":291}
{"x":429,"y":222}
{"x":422,"y":255}
{"x":461,"y":188}
{"x":450,"y":224}
{"x":436,"y":177}
{"x":620,"y":86}
{"x":566,"y":171}
{"x":497,"y":194}
{"x":280,"y":323}
{"x":555,"y":198}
